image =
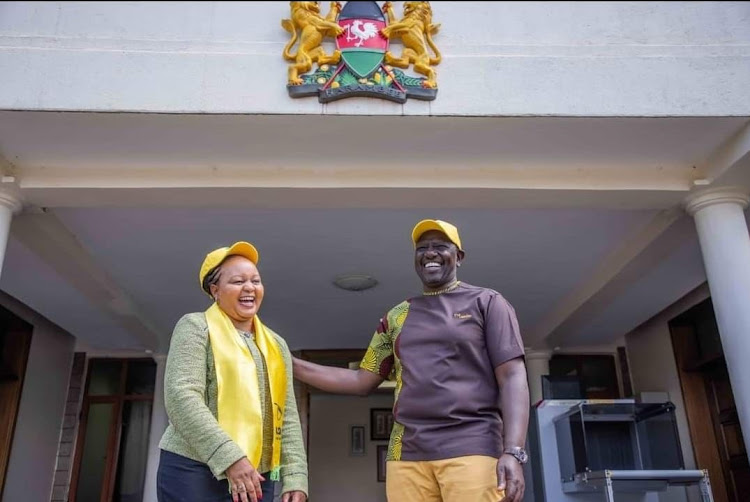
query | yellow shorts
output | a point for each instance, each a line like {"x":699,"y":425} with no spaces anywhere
{"x":461,"y":479}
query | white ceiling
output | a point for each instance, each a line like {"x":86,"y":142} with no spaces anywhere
{"x":533,"y":257}
{"x":667,"y":270}
{"x":33,"y":282}
{"x":118,"y":222}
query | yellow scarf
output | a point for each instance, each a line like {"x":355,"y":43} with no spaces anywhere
{"x":239,"y":407}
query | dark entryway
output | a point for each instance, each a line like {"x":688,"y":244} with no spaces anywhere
{"x":712,"y":415}
{"x":15,"y":341}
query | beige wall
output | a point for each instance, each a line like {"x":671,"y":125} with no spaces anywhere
{"x":334,"y":475}
{"x":33,"y":454}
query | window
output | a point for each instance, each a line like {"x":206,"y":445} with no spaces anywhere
{"x":597,"y":373}
{"x":112,"y":445}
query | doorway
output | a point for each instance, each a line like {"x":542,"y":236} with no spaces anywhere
{"x":112,"y":444}
{"x":15,"y":341}
{"x":712,"y":414}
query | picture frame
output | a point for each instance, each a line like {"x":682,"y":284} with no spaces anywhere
{"x":381,"y":423}
{"x":357,"y":441}
{"x":381,"y":457}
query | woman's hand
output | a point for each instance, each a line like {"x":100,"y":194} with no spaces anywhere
{"x":244,"y":481}
{"x":294,"y":497}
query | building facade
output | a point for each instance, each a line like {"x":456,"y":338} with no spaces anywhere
{"x":593,"y":155}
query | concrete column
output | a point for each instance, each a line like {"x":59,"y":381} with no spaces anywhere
{"x":10,"y":204}
{"x":537,"y":364}
{"x":159,"y":422}
{"x":725,"y":244}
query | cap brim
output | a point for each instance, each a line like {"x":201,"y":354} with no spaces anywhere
{"x":450,"y":231}
{"x":244,"y":249}
{"x":425,"y":226}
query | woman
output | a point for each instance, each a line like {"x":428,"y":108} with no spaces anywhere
{"x":228,"y":391}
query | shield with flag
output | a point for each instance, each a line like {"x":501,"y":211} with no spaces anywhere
{"x":361,"y":44}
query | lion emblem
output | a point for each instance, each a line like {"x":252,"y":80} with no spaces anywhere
{"x":415,"y":31}
{"x":310,"y":27}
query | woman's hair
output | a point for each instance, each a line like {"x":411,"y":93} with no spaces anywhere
{"x":211,"y":278}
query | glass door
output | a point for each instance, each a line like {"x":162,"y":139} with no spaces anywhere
{"x":113,"y":433}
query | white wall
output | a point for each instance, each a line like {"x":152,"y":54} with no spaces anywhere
{"x":334,"y":475}
{"x":499,"y":58}
{"x":654,"y":369}
{"x":39,"y":423}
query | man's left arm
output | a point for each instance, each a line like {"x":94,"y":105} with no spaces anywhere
{"x":514,"y":402}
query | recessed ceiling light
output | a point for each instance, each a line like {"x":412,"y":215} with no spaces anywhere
{"x":355,"y":282}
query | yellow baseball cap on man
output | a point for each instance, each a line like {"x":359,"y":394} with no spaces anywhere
{"x":216,"y":256}
{"x":442,"y":226}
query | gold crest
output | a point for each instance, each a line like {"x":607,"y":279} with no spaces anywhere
{"x":415,"y":30}
{"x":362,"y":63}
{"x":310,"y":27}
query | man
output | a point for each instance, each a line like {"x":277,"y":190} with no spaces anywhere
{"x":455,"y":352}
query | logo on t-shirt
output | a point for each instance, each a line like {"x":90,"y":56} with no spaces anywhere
{"x":461,"y":315}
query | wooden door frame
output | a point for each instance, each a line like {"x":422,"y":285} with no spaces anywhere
{"x":115,"y":427}
{"x":700,"y":422}
{"x":22,"y":333}
{"x":718,"y":372}
{"x":85,"y":407}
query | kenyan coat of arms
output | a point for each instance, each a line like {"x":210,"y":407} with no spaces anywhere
{"x":362,"y":63}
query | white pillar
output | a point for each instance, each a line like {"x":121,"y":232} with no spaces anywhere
{"x":159,"y":422}
{"x":10,"y":204}
{"x":537,"y":364}
{"x":725,"y":244}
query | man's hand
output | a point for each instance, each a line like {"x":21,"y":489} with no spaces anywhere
{"x":510,"y":478}
{"x":357,"y":382}
{"x":514,"y":399}
{"x":295,"y":496}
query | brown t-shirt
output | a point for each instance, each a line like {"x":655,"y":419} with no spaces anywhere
{"x":442,"y":351}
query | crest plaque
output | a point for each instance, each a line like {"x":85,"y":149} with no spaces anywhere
{"x":362,"y":63}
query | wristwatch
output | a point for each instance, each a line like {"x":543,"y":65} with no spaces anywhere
{"x":518,"y":453}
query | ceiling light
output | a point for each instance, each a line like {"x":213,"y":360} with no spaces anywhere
{"x":355,"y":282}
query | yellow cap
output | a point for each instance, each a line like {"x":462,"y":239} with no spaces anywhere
{"x":442,"y":226}
{"x":217,"y":256}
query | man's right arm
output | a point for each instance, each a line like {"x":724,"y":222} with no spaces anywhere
{"x":358,"y":382}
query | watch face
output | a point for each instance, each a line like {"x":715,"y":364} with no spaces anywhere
{"x":519,"y":453}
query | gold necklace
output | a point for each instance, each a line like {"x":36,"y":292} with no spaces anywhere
{"x":441,"y":291}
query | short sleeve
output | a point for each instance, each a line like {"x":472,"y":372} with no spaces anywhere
{"x":503,"y":337}
{"x":379,"y":356}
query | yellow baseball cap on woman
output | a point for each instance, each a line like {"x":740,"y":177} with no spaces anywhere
{"x":442,"y":226}
{"x":216,"y":256}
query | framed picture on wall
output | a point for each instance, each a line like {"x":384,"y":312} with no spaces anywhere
{"x":381,"y":423}
{"x":357,"y":440}
{"x":381,"y":456}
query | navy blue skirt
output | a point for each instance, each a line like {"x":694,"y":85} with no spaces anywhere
{"x":180,"y":479}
